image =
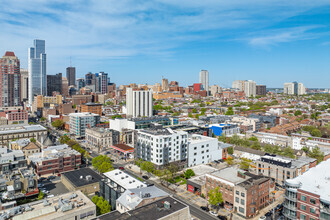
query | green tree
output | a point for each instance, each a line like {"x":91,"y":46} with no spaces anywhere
{"x":215,"y":197}
{"x":189,"y":173}
{"x":230,"y":150}
{"x":316,"y":133}
{"x":33,"y":140}
{"x":244,"y":164}
{"x":288,"y":152}
{"x":253,"y":138}
{"x":298,"y":112}
{"x":102,"y":163}
{"x":173,"y":169}
{"x":64,"y":139}
{"x":102,"y":205}
{"x":194,"y":110}
{"x":147,"y":166}
{"x":229,"y":111}
{"x":230,"y":161}
{"x":317,"y":154}
{"x":41,"y":195}
{"x":58,"y":124}
{"x":42,"y":119}
{"x":256,"y":145}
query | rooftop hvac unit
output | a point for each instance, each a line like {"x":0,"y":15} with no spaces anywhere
{"x":81,"y":177}
{"x":89,"y":177}
{"x":167,"y":205}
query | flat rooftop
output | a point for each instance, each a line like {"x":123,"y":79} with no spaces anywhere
{"x":21,"y":129}
{"x":79,"y":178}
{"x":229,"y":174}
{"x":316,"y":180}
{"x":202,"y":169}
{"x":65,"y":202}
{"x":124,"y":180}
{"x":150,"y":211}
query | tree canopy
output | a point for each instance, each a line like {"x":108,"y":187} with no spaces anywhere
{"x":102,"y":163}
{"x":215,"y":197}
{"x":102,"y":205}
{"x":189,"y":173}
{"x":147,"y":166}
{"x":58,"y":124}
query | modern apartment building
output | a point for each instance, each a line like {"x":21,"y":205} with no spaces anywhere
{"x":54,"y":84}
{"x":11,"y":160}
{"x":294,"y":88}
{"x":71,"y":76}
{"x":80,"y":121}
{"x":280,"y":169}
{"x":250,"y":87}
{"x":307,"y":197}
{"x":37,"y":70}
{"x":115,"y":183}
{"x":238,"y":85}
{"x":101,"y":82}
{"x":80,"y":83}
{"x":203,"y":150}
{"x":10,"y":80}
{"x":162,"y":146}
{"x":204,"y":79}
{"x":139,"y":103}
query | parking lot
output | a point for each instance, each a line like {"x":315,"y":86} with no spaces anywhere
{"x":54,"y":187}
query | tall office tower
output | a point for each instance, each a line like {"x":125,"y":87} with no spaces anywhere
{"x":80,"y":83}
{"x":54,"y":84}
{"x":24,"y":85}
{"x":90,"y":79}
{"x":65,"y":87}
{"x":165,"y":86}
{"x":71,"y":75}
{"x":261,"y":90}
{"x":250,"y":88}
{"x":204,"y":79}
{"x":37,"y":70}
{"x":101,"y":82}
{"x":10,"y":79}
{"x":139,"y":103}
{"x":238,"y":84}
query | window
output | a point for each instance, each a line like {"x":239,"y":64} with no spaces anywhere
{"x":303,"y":198}
{"x":242,"y":202}
{"x":312,"y":210}
{"x":302,"y":217}
{"x":243,"y":194}
{"x":237,"y":199}
{"x":195,"y":148}
{"x":241,"y":210}
{"x":303,"y":207}
{"x":312,"y":201}
{"x":237,"y":192}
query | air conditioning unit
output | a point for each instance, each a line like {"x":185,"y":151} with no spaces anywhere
{"x":89,"y":177}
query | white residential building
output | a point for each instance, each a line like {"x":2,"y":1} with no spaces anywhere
{"x":250,"y":88}
{"x":204,"y":79}
{"x":139,"y":103}
{"x":162,"y":146}
{"x":294,"y":88}
{"x":301,"y":89}
{"x":238,"y":84}
{"x":118,"y":124}
{"x":203,"y":150}
{"x":80,"y":121}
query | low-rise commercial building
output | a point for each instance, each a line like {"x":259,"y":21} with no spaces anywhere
{"x":269,"y":138}
{"x":69,"y":206}
{"x":100,"y":137}
{"x":55,"y":159}
{"x":85,"y":179}
{"x":26,"y":146}
{"x":91,"y":107}
{"x":225,"y":129}
{"x":11,"y":160}
{"x":308,"y":196}
{"x":7,"y":134}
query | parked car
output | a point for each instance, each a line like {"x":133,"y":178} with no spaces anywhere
{"x":40,"y":185}
{"x":222,"y":217}
{"x":205,"y":208}
{"x":51,"y":177}
{"x":213,"y":213}
{"x":42,"y":179}
{"x":262,"y":218}
{"x":50,"y":196}
{"x":121,"y":168}
{"x":145,"y":177}
{"x":269,"y":213}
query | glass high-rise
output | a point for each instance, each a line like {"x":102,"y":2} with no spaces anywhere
{"x":37,"y":70}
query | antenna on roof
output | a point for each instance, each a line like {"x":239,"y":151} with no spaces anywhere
{"x":70,"y":62}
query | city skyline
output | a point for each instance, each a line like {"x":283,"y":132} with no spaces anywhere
{"x":271,"y":43}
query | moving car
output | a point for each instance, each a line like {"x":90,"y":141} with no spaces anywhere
{"x":213,"y":213}
{"x":145,"y":177}
{"x":121,"y":168}
{"x":205,"y":208}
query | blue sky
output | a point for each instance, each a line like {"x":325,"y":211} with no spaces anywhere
{"x":271,"y":42}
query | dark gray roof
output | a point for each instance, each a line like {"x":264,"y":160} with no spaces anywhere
{"x":75,"y":177}
{"x":151,"y":211}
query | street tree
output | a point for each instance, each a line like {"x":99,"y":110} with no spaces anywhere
{"x":147,"y":166}
{"x":189,"y":173}
{"x":215,"y":197}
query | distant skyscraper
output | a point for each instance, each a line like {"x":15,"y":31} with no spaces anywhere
{"x":165,"y":86}
{"x":101,"y":82}
{"x":71,"y":75}
{"x":65,"y":87}
{"x":80,"y":83}
{"x":37,"y":70}
{"x":90,"y":79}
{"x":54,"y":84}
{"x":139,"y":103}
{"x":238,"y":84}
{"x":204,"y":79}
{"x":294,"y":88}
{"x":24,"y":85}
{"x":10,"y":80}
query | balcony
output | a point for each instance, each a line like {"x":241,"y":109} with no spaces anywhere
{"x":291,"y":198}
{"x":291,"y":207}
{"x":290,"y":216}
